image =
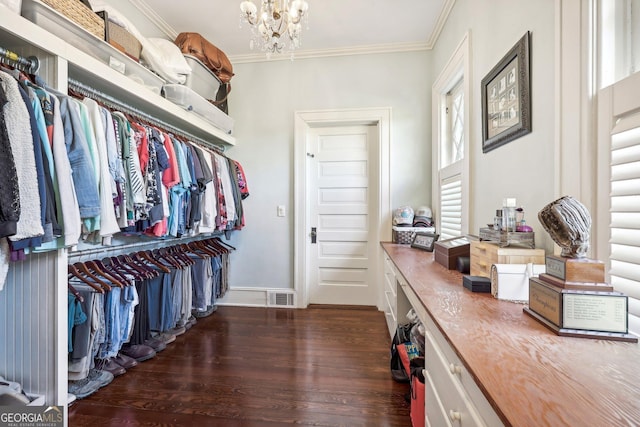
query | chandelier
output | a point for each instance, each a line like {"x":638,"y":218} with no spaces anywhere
{"x":277,"y":26}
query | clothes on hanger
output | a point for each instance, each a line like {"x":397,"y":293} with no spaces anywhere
{"x":138,"y":316}
{"x":99,"y":172}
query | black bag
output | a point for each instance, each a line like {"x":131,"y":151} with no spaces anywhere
{"x":221,"y":97}
{"x":401,"y":336}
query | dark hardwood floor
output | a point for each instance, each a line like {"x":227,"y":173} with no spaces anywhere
{"x":260,"y":367}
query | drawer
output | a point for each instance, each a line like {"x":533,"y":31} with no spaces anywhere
{"x":480,"y":267}
{"x":388,"y":266}
{"x":452,"y":398}
{"x":482,"y":249}
{"x":390,"y":315}
{"x":390,"y":284}
{"x":433,"y":407}
{"x":485,"y":254}
{"x":440,"y":356}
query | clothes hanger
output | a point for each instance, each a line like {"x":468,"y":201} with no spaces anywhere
{"x":107,"y":265}
{"x":179,"y":253}
{"x":197,"y":246}
{"x":96,"y":268}
{"x":218,"y":241}
{"x":164,"y":255}
{"x":82,"y":268}
{"x":73,"y":271}
{"x":187,"y":250}
{"x":121,"y":263}
{"x":138,"y":265}
{"x":75,"y":293}
{"x":213,"y":248}
{"x":144,"y":256}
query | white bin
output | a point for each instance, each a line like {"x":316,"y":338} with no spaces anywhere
{"x":201,"y":80}
{"x":188,"y":99}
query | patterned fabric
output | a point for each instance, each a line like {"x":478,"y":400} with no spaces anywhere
{"x":9,"y":190}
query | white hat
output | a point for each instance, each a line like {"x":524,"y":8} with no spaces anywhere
{"x":403,"y":216}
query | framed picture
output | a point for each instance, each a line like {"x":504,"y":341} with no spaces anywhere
{"x":424,"y":241}
{"x":506,"y":98}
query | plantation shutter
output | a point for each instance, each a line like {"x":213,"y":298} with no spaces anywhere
{"x":451,"y":207}
{"x":625,"y":219}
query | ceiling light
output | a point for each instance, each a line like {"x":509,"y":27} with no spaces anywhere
{"x":277,"y":26}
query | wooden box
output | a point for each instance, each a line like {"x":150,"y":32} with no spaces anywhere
{"x":484,"y":254}
{"x":446,"y":252}
{"x":120,"y":38}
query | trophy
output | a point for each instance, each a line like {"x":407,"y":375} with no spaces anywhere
{"x":569,"y":224}
{"x":572,"y":298}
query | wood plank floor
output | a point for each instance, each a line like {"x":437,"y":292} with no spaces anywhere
{"x":260,"y":367}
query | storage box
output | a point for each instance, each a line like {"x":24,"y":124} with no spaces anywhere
{"x":120,"y":38}
{"x":511,"y":281}
{"x":446,"y":252}
{"x":405,"y":235}
{"x":80,"y":14}
{"x":191,"y":101}
{"x":201,"y":80}
{"x":57,"y":24}
{"x":477,"y":283}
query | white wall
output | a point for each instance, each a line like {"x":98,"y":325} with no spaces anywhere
{"x":523,"y":168}
{"x":263,"y":101}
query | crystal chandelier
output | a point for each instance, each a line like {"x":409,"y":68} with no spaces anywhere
{"x":277,"y":26}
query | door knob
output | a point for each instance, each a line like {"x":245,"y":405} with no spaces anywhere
{"x":314,"y":234}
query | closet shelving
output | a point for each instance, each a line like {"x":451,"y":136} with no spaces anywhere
{"x":61,"y":61}
{"x":33,"y":304}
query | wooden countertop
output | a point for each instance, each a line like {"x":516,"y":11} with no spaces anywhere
{"x":531,"y":376}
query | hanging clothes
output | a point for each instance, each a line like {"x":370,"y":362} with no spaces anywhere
{"x":18,"y":124}
{"x":108,"y":222}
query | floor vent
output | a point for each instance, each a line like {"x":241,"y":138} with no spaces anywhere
{"x":280,"y":299}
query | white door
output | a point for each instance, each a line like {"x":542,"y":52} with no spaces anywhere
{"x":342,"y":214}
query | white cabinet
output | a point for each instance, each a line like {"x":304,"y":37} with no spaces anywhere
{"x":395,"y":309}
{"x":452,"y":397}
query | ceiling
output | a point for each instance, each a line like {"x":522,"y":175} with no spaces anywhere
{"x":335,"y":27}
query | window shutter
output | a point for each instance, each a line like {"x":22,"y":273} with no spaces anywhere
{"x":451,"y":207}
{"x":625,"y":219}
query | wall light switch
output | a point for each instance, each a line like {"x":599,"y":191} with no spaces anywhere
{"x":281,"y":210}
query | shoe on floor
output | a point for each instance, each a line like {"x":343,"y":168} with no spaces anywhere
{"x":83,"y":388}
{"x":156,"y":344}
{"x":177,"y":330}
{"x":190,"y":322}
{"x":125,"y":361}
{"x":101,"y":377}
{"x":165,"y":337}
{"x":110,"y":366}
{"x":204,"y":313}
{"x":138,"y":352}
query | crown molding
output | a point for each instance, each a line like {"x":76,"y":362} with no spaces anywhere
{"x":156,"y":19}
{"x":442,"y":19}
{"x":171,"y":33}
{"x":324,"y":53}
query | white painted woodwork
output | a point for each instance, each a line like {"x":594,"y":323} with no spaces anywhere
{"x":339,"y":207}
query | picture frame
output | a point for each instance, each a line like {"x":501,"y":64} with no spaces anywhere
{"x":506,"y":97}
{"x":424,"y":241}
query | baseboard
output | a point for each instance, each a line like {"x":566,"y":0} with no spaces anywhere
{"x":259,"y":297}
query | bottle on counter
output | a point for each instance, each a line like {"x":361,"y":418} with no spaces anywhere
{"x":497,"y":220}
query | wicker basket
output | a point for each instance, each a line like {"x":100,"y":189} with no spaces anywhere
{"x":123,"y":40}
{"x":82,"y":15}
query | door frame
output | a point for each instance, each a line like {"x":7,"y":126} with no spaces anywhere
{"x":303,"y":122}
